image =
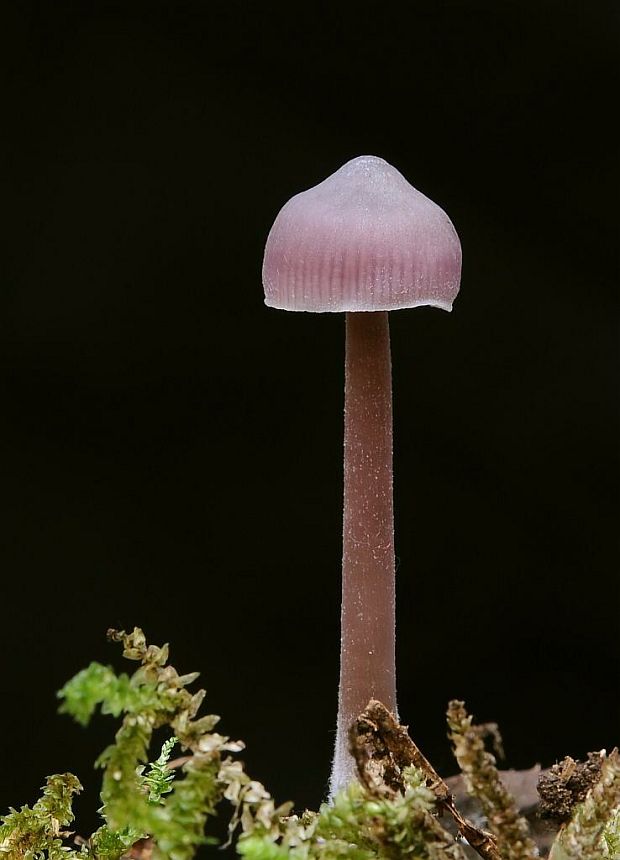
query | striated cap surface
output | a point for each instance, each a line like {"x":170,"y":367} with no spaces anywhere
{"x":364,"y":239}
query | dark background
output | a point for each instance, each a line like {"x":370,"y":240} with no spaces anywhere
{"x":171,"y":449}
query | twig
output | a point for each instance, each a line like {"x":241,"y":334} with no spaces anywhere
{"x":382,"y":748}
{"x":179,"y":762}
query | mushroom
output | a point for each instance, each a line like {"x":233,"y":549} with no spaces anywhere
{"x":363,"y":242}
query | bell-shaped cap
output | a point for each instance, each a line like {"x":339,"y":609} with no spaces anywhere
{"x":362,"y":240}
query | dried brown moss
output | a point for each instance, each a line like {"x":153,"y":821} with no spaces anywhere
{"x":483,"y":782}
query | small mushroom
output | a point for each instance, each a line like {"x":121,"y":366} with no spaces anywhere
{"x":363,"y":242}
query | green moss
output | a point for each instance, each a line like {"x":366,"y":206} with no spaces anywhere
{"x":611,"y":836}
{"x":166,"y":806}
{"x":37,"y":832}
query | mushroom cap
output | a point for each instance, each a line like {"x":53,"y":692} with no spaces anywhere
{"x":364,"y":239}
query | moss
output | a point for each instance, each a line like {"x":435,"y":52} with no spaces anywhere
{"x":482,"y":779}
{"x":592,"y":832}
{"x":164,"y":809}
{"x":38,"y":832}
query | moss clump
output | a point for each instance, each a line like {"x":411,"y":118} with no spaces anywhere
{"x":593,"y":831}
{"x":161,"y":810}
{"x":38,"y":832}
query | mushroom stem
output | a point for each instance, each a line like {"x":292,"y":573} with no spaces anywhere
{"x":367,"y":651}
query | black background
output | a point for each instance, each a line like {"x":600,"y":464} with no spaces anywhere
{"x":171,"y":449}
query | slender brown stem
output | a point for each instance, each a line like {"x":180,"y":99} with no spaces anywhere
{"x":367,"y":655}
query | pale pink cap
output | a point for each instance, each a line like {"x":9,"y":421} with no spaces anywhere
{"x":364,"y":239}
